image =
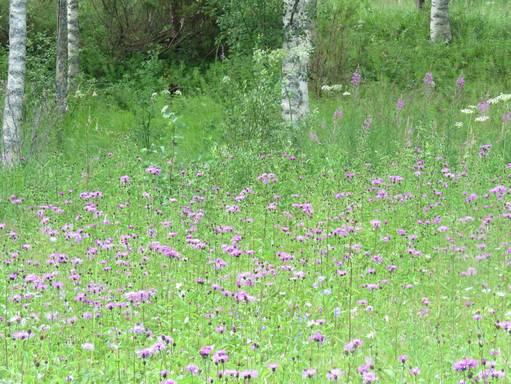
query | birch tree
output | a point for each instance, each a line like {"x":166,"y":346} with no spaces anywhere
{"x":73,"y":44}
{"x":61,"y":65}
{"x":13,"y":110}
{"x":297,"y":46}
{"x":440,"y":27}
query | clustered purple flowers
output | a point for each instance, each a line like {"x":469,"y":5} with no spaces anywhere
{"x":320,"y":262}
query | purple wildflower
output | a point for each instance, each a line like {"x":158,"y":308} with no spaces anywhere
{"x":338,"y":114}
{"x":428,"y":80}
{"x":400,"y":104}
{"x":460,"y":82}
{"x":356,"y":78}
{"x":193,"y":369}
{"x":334,"y":374}
{"x":309,"y":373}
{"x":465,"y":364}
{"x":353,"y":345}
{"x":206,"y":350}
{"x":153,"y":170}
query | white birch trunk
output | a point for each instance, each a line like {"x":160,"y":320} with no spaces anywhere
{"x":13,"y":111}
{"x":298,"y":23}
{"x":440,"y":27}
{"x":73,"y":44}
{"x":61,"y":65}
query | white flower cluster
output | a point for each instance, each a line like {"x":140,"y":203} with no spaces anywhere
{"x":502,"y":97}
{"x":482,"y":118}
{"x":301,"y":50}
{"x":332,"y":88}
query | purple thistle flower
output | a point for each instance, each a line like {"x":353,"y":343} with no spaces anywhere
{"x":153,"y":170}
{"x":22,"y":335}
{"x":193,"y":369}
{"x":428,"y":80}
{"x":267,"y":178}
{"x":400,"y":104}
{"x":334,"y":374}
{"x":206,"y":350}
{"x":317,"y":337}
{"x":504,"y":325}
{"x":164,"y":373}
{"x":356,"y":78}
{"x":460,"y":82}
{"x":402,"y":359}
{"x":369,"y":377}
{"x":220,"y":356}
{"x":338,"y":114}
{"x":484,"y":150}
{"x":353,"y":345}
{"x":465,"y":364}
{"x":483,"y":107}
{"x":145,"y":353}
{"x":124,"y":180}
{"x":309,"y":373}
{"x":248,"y":374}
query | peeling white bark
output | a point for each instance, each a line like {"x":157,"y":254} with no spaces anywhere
{"x":73,"y":44}
{"x":440,"y":27}
{"x":61,"y":65}
{"x":13,"y":110}
{"x":298,"y":23}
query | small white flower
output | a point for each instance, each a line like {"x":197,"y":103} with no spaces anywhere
{"x":178,"y":92}
{"x":467,"y":111}
{"x":165,"y":112}
{"x":502,"y":97}
{"x":346,"y":93}
{"x":226,"y":79}
{"x":482,"y":118}
{"x":458,"y":124}
{"x":332,"y":88}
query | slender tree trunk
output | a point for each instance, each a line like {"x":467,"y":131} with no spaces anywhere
{"x":420,"y":4}
{"x":61,"y":67}
{"x":73,"y":44}
{"x":13,"y":111}
{"x":298,"y":23}
{"x":440,"y":27}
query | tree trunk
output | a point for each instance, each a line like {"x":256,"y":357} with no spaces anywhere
{"x":420,"y":4}
{"x":440,"y":28}
{"x":61,"y":67}
{"x":298,"y":23}
{"x":73,"y":44}
{"x":13,"y":111}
